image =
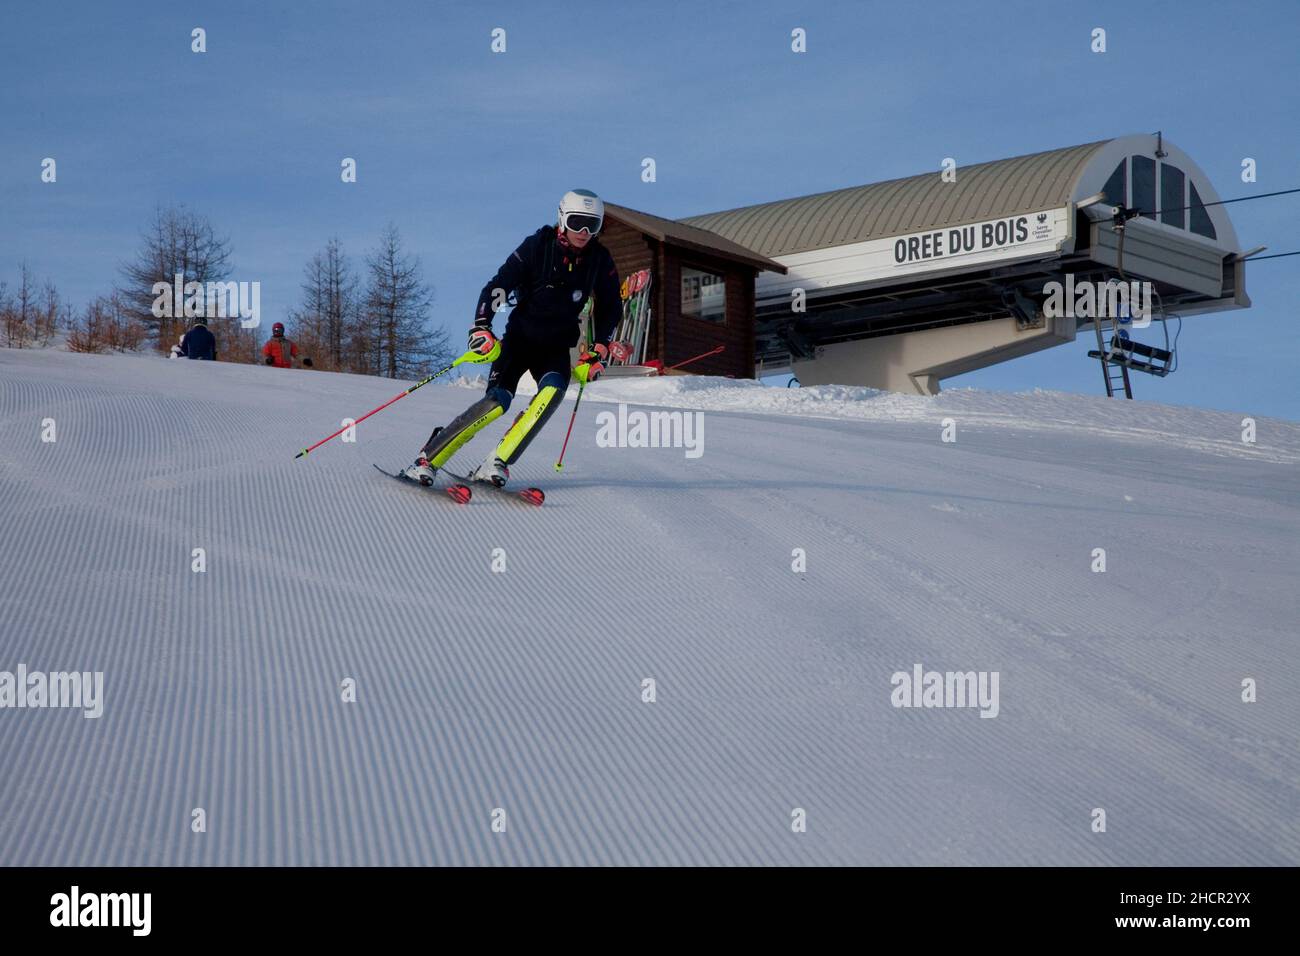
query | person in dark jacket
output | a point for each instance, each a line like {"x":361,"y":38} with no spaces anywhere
{"x":199,"y":343}
{"x":551,"y":276}
{"x":280,"y":351}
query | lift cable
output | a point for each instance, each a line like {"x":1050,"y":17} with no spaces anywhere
{"x":1155,"y":214}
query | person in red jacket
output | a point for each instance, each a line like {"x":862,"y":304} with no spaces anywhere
{"x":280,"y":351}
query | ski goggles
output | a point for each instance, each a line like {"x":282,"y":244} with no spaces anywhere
{"x":581,"y":222}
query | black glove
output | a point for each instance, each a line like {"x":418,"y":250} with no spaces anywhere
{"x":481,"y":340}
{"x":270,"y":360}
{"x":307,"y":361}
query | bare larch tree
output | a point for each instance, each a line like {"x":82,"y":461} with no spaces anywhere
{"x":325,"y":322}
{"x":177,"y":242}
{"x":397,"y":339}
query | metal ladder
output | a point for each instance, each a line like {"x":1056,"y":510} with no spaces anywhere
{"x":1115,"y":374}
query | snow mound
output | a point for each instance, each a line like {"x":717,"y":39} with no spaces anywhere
{"x":1218,"y":433}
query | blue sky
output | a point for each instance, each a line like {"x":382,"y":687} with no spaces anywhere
{"x":467,"y":151}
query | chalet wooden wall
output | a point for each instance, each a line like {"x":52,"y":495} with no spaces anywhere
{"x":686,"y":336}
{"x":674,"y":337}
{"x":631,"y":249}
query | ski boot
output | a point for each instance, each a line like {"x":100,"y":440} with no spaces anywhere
{"x":492,"y":470}
{"x":421,"y":471}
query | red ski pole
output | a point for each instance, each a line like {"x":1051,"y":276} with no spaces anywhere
{"x":467,"y":357}
{"x":559,"y":463}
{"x":582,"y":383}
{"x":698,"y":357}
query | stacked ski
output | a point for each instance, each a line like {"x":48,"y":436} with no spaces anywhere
{"x":634,"y":328}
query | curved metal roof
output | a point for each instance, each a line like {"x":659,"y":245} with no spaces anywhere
{"x":1004,"y":187}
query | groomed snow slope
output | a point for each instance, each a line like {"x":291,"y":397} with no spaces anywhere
{"x":522,"y":690}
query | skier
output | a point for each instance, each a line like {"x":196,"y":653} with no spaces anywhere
{"x":552,"y":274}
{"x":279,"y":351}
{"x":199,"y":343}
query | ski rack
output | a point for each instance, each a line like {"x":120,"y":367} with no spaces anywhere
{"x":634,"y":328}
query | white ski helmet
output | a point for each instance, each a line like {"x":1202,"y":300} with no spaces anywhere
{"x":581,"y":209}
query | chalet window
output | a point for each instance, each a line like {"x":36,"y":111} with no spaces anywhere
{"x":704,"y":295}
{"x":1172,"y":182}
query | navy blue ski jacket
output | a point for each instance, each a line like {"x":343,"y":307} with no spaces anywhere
{"x":199,"y":343}
{"x":550,"y":283}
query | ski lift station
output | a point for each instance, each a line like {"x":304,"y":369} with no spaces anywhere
{"x":901,"y":284}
